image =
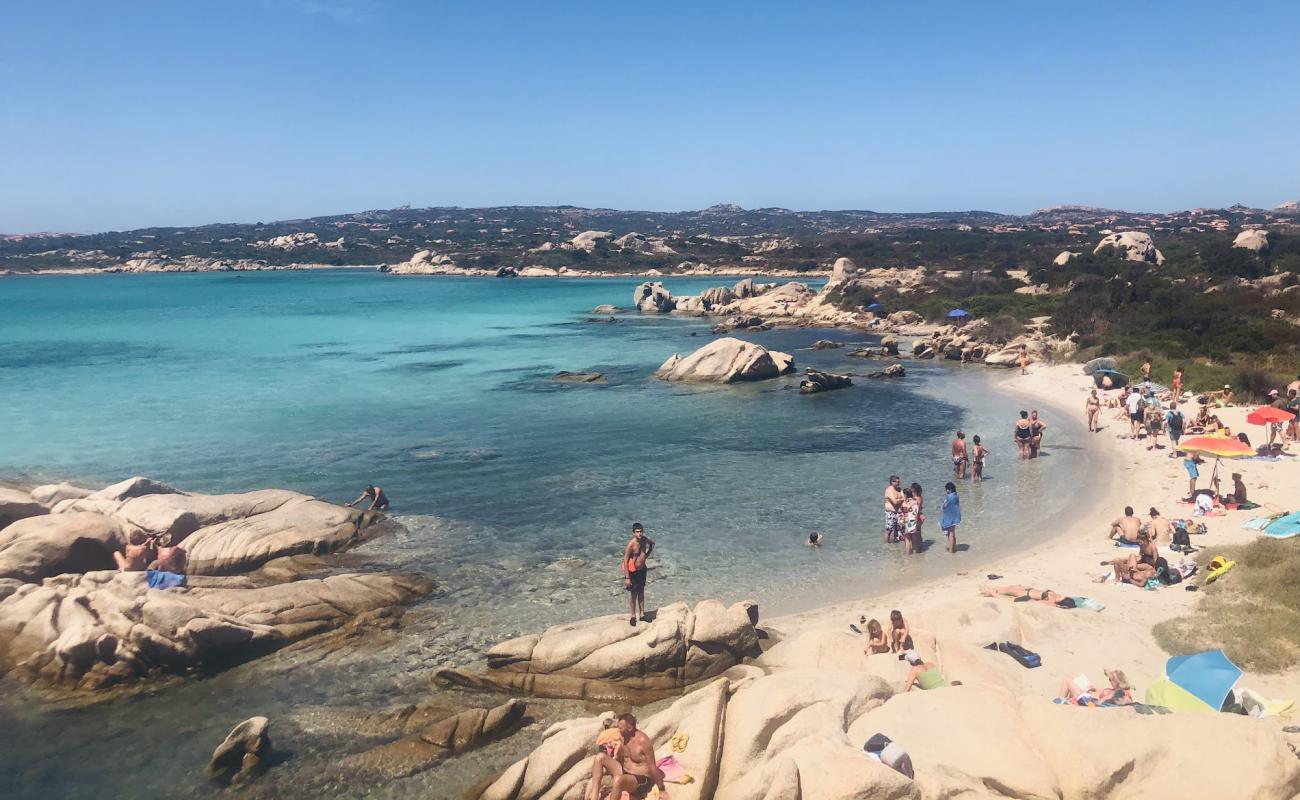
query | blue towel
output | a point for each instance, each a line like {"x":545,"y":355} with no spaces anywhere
{"x":164,"y":580}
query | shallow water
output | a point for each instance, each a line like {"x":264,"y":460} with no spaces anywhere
{"x":514,"y":492}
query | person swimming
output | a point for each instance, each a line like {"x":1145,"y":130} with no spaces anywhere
{"x":815,"y":539}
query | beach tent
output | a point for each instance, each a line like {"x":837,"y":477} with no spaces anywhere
{"x":1100,"y":363}
{"x":1198,"y":682}
{"x":1284,"y":527}
{"x":958,"y":313}
{"x":1118,"y":380}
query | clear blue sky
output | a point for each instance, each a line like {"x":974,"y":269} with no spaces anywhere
{"x":126,"y":114}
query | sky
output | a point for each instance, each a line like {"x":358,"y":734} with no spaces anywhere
{"x":133,"y":114}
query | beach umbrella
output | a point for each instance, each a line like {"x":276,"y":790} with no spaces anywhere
{"x":958,"y":313}
{"x":1266,"y":414}
{"x":1217,"y":446}
{"x":1198,"y":682}
{"x":874,"y":307}
{"x":1100,"y":363}
{"x":1117,"y":379}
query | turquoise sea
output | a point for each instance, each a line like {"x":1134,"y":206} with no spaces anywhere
{"x":515,"y":493}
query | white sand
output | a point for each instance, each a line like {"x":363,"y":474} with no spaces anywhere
{"x":1081,"y":640}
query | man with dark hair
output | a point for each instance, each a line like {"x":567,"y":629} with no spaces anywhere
{"x":633,"y":769}
{"x":893,"y":510}
{"x":1126,"y":528}
{"x":959,"y":457}
{"x":634,"y":572}
{"x":378,"y":500}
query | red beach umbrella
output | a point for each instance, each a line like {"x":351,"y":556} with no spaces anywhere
{"x":1266,"y":414}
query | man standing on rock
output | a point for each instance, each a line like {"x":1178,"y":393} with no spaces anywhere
{"x":893,"y":510}
{"x":634,"y":572}
{"x":633,"y":769}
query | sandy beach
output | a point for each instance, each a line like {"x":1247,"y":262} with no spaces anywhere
{"x":1078,"y":641}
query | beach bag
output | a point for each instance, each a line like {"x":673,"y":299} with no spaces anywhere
{"x":1182,"y":540}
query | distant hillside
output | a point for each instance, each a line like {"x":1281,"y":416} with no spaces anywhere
{"x":721,"y":235}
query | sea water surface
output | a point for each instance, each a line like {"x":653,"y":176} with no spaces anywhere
{"x":515,"y":493}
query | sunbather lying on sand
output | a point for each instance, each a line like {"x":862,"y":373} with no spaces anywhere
{"x":1024,"y":592}
{"x":1079,"y":690}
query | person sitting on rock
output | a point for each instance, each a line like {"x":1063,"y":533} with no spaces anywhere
{"x":900,"y":634}
{"x":876,"y":641}
{"x":378,"y":500}
{"x":923,"y":674}
{"x":168,"y":558}
{"x":634,"y":769}
{"x":137,"y":554}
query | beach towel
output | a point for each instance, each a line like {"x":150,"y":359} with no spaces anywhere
{"x":1088,"y":603}
{"x":673,"y":771}
{"x":1257,"y":705}
{"x":1284,"y":527}
{"x":164,"y":580}
{"x":1256,"y":523}
{"x":680,"y":741}
{"x":1219,"y":566}
{"x":1026,"y":658}
{"x":611,"y":741}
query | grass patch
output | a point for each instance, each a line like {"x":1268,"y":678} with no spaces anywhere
{"x":1252,"y":613}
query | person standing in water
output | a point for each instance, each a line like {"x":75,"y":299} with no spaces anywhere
{"x":634,"y":572}
{"x":1022,"y":435}
{"x":893,"y":508}
{"x":378,"y":500}
{"x":951,"y":515}
{"x":959,"y":456}
{"x":978,"y":456}
{"x":1036,"y":427}
{"x":1092,"y":409}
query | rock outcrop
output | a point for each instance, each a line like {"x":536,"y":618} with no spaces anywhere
{"x":16,"y":504}
{"x":653,"y":298}
{"x":243,"y":753}
{"x":425,"y":262}
{"x":603,"y":657}
{"x":1253,"y":239}
{"x":587,"y":241}
{"x":52,"y":493}
{"x":104,"y":628}
{"x":842,"y":270}
{"x":1133,"y":246}
{"x":891,"y":371}
{"x":726,"y":360}
{"x":1064,"y":257}
{"x":36,"y":548}
{"x":441,"y":740}
{"x":816,"y":381}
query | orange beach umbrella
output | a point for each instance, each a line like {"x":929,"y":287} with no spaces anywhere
{"x":1217,"y":446}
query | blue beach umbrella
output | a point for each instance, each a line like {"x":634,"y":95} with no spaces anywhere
{"x":958,"y":313}
{"x":1198,"y":682}
{"x":874,"y":307}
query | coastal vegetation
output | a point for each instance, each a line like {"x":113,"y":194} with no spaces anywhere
{"x":1253,"y":613}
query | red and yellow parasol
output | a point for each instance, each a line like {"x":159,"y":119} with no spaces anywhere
{"x":1217,"y":446}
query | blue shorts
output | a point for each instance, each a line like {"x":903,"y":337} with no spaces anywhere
{"x":1190,"y":466}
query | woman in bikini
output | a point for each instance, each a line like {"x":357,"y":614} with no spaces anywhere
{"x":1080,"y":691}
{"x":1022,"y":434}
{"x":977,"y":460}
{"x":1092,"y":409}
{"x":1177,"y":383}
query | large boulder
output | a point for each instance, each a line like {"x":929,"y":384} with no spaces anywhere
{"x":180,"y":513}
{"x":726,"y":360}
{"x":1253,"y":239}
{"x":1064,"y":257}
{"x":301,"y":526}
{"x":51,"y":544}
{"x":1133,"y":246}
{"x":842,"y":270}
{"x":781,"y":301}
{"x":243,"y":752}
{"x":679,"y":647}
{"x":747,"y":288}
{"x":52,"y":493}
{"x":424,"y":262}
{"x":652,"y":297}
{"x":717,"y":296}
{"x":689,"y":305}
{"x":588,"y":240}
{"x":103,"y":628}
{"x":16,"y":504}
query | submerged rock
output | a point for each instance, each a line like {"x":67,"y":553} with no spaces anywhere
{"x":826,"y":344}
{"x":578,"y":377}
{"x":892,"y":371}
{"x":817,"y":381}
{"x":440,"y":740}
{"x":727,"y":360}
{"x":243,"y":753}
